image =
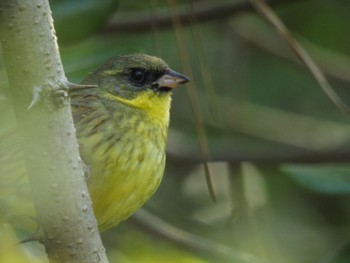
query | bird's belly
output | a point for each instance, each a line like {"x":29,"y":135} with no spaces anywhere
{"x":124,"y":178}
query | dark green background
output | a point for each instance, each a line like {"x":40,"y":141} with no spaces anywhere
{"x":279,"y":147}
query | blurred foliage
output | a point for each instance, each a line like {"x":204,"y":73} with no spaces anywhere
{"x":76,"y":20}
{"x":331,"y":179}
{"x":262,"y":112}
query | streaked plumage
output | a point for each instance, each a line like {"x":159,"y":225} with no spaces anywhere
{"x":122,"y":130}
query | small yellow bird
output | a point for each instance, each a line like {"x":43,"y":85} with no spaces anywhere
{"x":122,"y":129}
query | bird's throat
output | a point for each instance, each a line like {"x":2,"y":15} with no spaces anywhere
{"x":155,"y":106}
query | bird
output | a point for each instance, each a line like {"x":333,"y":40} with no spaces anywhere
{"x":121,"y":126}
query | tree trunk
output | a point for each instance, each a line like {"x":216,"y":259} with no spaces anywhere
{"x":36,"y":76}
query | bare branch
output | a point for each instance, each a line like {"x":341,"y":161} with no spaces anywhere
{"x":294,"y":138}
{"x":207,"y":11}
{"x":157,"y":226}
{"x":63,"y":206}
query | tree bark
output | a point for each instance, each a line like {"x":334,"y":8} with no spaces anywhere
{"x":63,"y":206}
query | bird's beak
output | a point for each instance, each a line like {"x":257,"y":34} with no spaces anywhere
{"x":171,"y":79}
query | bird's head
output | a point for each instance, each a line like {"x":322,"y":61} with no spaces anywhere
{"x":136,"y":81}
{"x":129,"y":76}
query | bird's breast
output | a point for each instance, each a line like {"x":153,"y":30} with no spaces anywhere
{"x":126,"y":156}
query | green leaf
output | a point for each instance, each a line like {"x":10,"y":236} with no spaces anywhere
{"x":324,"y":178}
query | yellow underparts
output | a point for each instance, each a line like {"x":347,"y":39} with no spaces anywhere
{"x":157,"y":106}
{"x":125,"y":176}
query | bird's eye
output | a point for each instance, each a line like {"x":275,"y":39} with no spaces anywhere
{"x":138,"y":76}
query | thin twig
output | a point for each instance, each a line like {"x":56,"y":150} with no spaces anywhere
{"x":205,"y":70}
{"x":202,"y":137}
{"x":292,"y":137}
{"x":270,"y":16}
{"x":332,"y":63}
{"x":340,"y":156}
{"x":157,"y":226}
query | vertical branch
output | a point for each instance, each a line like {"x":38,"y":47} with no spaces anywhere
{"x":205,"y":70}
{"x":64,"y":213}
{"x":202,"y":137}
